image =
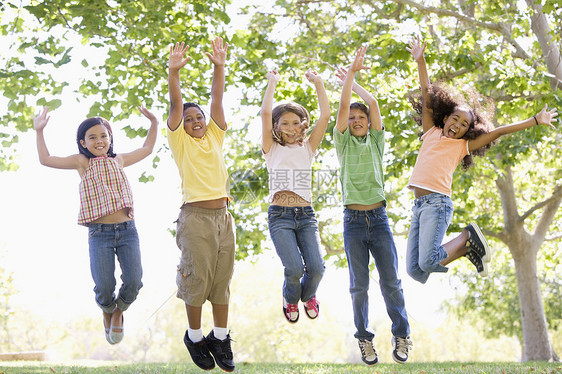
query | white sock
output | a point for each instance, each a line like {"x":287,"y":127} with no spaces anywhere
{"x":195,"y":335}
{"x":220,"y":332}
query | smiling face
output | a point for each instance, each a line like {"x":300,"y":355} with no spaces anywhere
{"x":290,"y":127}
{"x":457,"y":124}
{"x":358,"y":122}
{"x":97,"y":140}
{"x":194,"y":122}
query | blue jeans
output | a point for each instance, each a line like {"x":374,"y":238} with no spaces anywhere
{"x":294,"y":232}
{"x":106,"y":241}
{"x":364,"y":232}
{"x":431,"y":217}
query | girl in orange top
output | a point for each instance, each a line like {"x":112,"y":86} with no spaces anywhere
{"x":452,"y":131}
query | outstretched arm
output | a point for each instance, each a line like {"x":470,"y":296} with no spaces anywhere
{"x":70,"y":162}
{"x":320,"y":128}
{"x":176,"y":62}
{"x":545,"y":117}
{"x":266,"y":111}
{"x":345,"y":100}
{"x":374,"y":111}
{"x":218,"y":58}
{"x":417,"y":50}
{"x":127,"y":159}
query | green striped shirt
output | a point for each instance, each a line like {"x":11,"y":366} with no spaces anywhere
{"x":361,"y":174}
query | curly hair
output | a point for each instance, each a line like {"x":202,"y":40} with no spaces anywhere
{"x":291,"y":107}
{"x":444,"y":100}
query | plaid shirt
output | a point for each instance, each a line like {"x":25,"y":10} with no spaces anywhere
{"x":104,"y":190}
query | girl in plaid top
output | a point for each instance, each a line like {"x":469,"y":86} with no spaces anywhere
{"x":106,"y":207}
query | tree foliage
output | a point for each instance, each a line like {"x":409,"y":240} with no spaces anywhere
{"x":504,"y":49}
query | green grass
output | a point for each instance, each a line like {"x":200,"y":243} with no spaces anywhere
{"x":413,"y":368}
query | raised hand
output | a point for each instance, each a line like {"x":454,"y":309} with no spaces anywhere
{"x":273,"y":76}
{"x":41,"y":120}
{"x":177,"y":56}
{"x":416,"y":48}
{"x":313,"y":76}
{"x":357,"y":64}
{"x":546,"y":117}
{"x":148,"y":114}
{"x":340,"y":75}
{"x":219,"y":52}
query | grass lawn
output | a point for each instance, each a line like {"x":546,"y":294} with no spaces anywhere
{"x":155,"y":368}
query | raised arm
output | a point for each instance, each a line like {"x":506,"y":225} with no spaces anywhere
{"x":374,"y":111}
{"x":417,"y":50}
{"x":545,"y":117}
{"x":176,"y":62}
{"x":267,"y":109}
{"x":348,"y":79}
{"x":324,"y":104}
{"x":45,"y":158}
{"x":127,"y":159}
{"x":218,"y":58}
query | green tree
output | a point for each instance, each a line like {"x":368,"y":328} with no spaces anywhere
{"x":123,"y":66}
{"x":506,"y":50}
{"x":502,"y":48}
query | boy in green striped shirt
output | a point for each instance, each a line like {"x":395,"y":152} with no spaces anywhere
{"x":359,"y":140}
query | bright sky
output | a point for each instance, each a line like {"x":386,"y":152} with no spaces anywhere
{"x":47,"y":252}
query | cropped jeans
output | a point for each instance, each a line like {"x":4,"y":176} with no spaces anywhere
{"x":107,"y":241}
{"x":294,"y":232}
{"x":432,"y":215}
{"x":367,"y":232}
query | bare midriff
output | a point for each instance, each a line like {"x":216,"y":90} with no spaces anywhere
{"x":210,"y":204}
{"x":121,"y":215}
{"x":364,"y":207}
{"x":419,"y":192}
{"x":288,"y":198}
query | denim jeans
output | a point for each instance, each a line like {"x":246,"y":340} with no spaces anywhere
{"x":367,"y":232}
{"x":431,"y":217}
{"x":294,"y":232}
{"x":106,"y":241}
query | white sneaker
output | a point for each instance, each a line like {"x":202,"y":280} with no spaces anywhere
{"x":368,"y":352}
{"x":290,"y":311}
{"x":401,"y":346}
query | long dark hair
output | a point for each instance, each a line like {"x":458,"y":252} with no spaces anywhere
{"x":444,"y":100}
{"x":81,"y":135}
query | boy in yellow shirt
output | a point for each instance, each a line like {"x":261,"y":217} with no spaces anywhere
{"x":205,"y":228}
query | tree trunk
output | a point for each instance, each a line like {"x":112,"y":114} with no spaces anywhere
{"x":536,"y":343}
{"x":524,"y":248}
{"x":550,"y":52}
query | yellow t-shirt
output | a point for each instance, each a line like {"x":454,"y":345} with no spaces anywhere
{"x":200,"y":163}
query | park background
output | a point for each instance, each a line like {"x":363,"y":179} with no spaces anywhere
{"x":106,"y":58}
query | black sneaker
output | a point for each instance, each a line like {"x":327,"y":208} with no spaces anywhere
{"x":401,"y":347}
{"x":481,"y":266}
{"x":368,"y":352}
{"x":199,"y":353}
{"x":477,"y":242}
{"x":221,"y":351}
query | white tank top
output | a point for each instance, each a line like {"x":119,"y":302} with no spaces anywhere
{"x":290,"y":169}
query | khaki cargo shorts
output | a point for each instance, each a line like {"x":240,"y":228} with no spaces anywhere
{"x":207,"y":242}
